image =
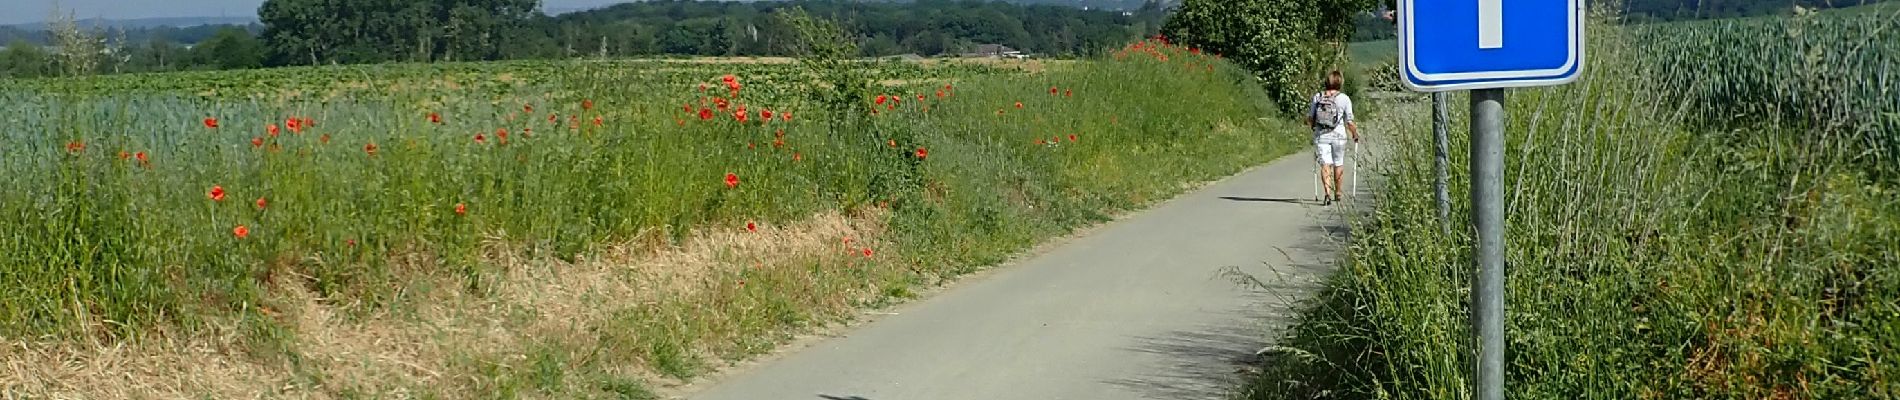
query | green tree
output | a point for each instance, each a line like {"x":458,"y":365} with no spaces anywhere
{"x":230,"y":48}
{"x":1287,"y":43}
{"x":23,"y":59}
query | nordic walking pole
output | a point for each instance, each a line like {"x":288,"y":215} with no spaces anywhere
{"x":1355,"y":171}
{"x":1318,"y":179}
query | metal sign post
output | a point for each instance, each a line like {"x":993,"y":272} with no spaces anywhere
{"x":1484,"y":46}
{"x":1487,"y":212}
{"x":1441,"y":119}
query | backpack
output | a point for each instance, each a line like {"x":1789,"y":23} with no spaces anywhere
{"x":1326,"y":113}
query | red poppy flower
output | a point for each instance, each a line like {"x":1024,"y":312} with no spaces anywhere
{"x":271,"y":130}
{"x":141,"y":157}
{"x":679,"y":121}
{"x":798,"y":156}
{"x":325,"y":139}
{"x":294,"y":124}
{"x":893,"y":143}
{"x":241,"y":232}
{"x":598,"y":121}
{"x":765,"y":115}
{"x":688,"y":107}
{"x":211,"y":123}
{"x":307,"y":122}
{"x":739,"y":115}
{"x":778,"y":143}
{"x":732,"y":180}
{"x":705,"y":114}
{"x":351,"y":242}
{"x":461,"y":209}
{"x":587,"y":104}
{"x":922,"y":152}
{"x":751,"y":227}
{"x":257,"y":142}
{"x":217,"y":193}
{"x":920,"y":97}
{"x":529,"y":108}
{"x":1072,"y":138}
{"x":722,"y":103}
{"x":750,"y":146}
{"x":786,"y":116}
{"x":435,"y":118}
{"x":702,"y":87}
{"x":1068,"y":93}
{"x":940,"y":94}
{"x":1019,"y":104}
{"x":881,"y":99}
{"x":479,"y":139}
{"x":946,"y":86}
{"x":554,"y":119}
{"x":123,"y":155}
{"x":261,"y":203}
{"x":501,"y":134}
{"x":1053,"y":91}
{"x":868,"y":252}
{"x":370,"y":148}
{"x":729,"y":78}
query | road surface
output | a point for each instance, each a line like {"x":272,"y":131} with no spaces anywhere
{"x":1136,"y":309}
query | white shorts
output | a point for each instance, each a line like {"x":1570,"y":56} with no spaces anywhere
{"x":1330,"y":152}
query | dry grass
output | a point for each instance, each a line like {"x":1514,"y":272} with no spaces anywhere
{"x":440,"y":344}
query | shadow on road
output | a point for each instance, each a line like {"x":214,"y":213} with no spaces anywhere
{"x":830,"y":397}
{"x":1266,"y":200}
{"x":1211,"y":361}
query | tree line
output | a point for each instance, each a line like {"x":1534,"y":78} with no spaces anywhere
{"x":323,"y":32}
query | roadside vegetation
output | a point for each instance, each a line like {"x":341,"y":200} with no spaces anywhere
{"x":1710,"y":213}
{"x":573,"y":229}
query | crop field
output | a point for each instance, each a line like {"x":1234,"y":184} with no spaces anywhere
{"x":570,"y":229}
{"x":1709,"y":213}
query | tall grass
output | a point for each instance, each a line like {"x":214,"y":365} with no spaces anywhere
{"x":1651,"y":254}
{"x":100,"y":246}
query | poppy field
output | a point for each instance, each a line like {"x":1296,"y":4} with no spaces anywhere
{"x":564,"y":229}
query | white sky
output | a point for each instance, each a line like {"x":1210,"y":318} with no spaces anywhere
{"x":30,"y":11}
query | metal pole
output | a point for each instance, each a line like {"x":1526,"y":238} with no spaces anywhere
{"x":1441,"y":117}
{"x":1487,"y":200}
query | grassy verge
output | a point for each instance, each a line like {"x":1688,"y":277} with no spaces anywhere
{"x":1652,"y":253}
{"x":612,"y":240}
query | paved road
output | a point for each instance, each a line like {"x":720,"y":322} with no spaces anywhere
{"x":1138,"y":309}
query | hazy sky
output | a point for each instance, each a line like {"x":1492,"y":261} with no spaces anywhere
{"x":28,"y":11}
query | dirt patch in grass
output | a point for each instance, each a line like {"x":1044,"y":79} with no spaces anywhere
{"x":530,"y":325}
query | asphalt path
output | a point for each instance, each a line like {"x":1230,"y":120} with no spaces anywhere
{"x":1145,"y":307}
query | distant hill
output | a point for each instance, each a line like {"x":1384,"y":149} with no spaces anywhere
{"x":145,"y":23}
{"x":1371,"y":28}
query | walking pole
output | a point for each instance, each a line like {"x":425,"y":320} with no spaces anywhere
{"x":1355,"y":171}
{"x":1317,"y":178}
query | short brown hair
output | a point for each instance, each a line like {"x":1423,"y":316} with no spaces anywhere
{"x":1335,"y":80}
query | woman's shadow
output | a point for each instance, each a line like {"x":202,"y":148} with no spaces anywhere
{"x":1267,"y":200}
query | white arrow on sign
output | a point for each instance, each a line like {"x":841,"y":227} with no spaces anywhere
{"x":1490,"y":24}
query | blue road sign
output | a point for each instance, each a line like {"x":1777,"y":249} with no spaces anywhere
{"x":1477,"y":44}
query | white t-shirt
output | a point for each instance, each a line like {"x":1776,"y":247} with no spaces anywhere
{"x":1338,"y":133}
